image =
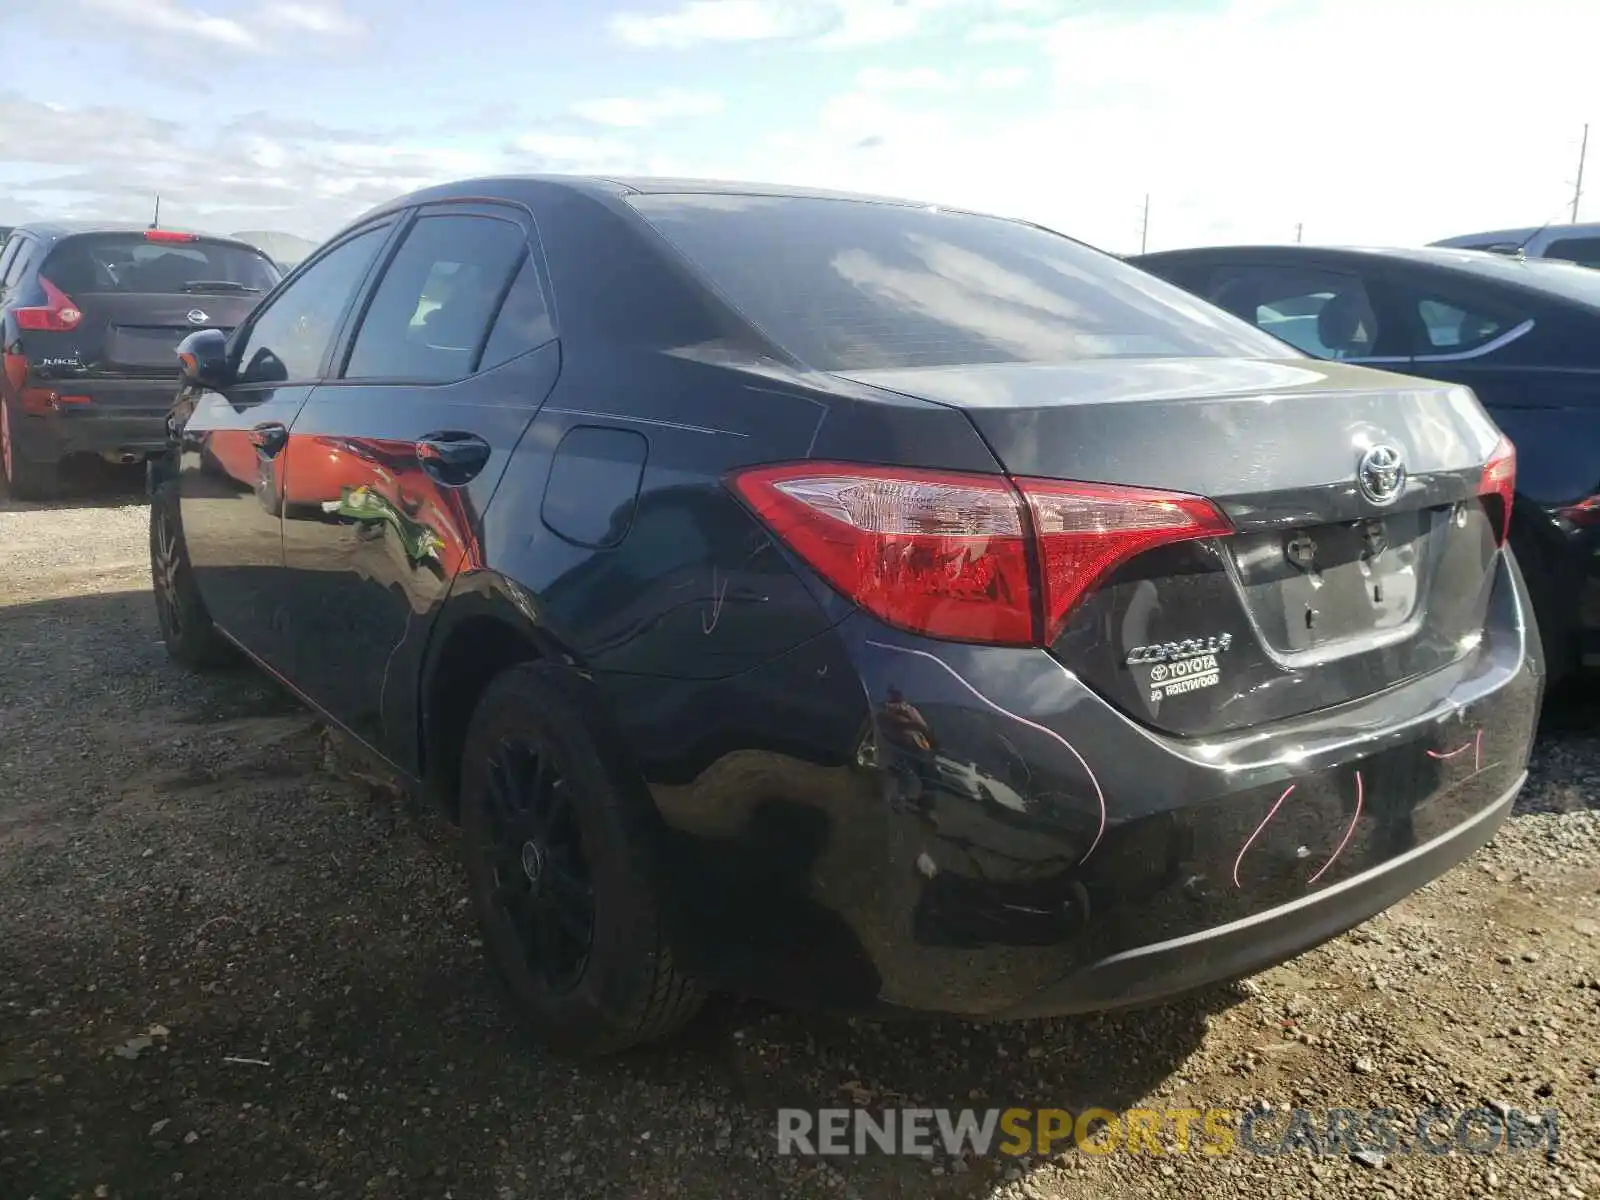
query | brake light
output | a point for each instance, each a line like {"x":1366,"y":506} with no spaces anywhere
{"x":956,"y":556}
{"x":169,"y":235}
{"x":58,"y":314}
{"x":1499,"y":484}
{"x":1585,"y":512}
{"x":1086,"y":530}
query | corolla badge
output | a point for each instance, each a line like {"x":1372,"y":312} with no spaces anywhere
{"x":1381,"y":474}
{"x":197,"y":316}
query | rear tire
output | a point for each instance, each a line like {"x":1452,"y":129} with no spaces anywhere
{"x":187,"y":630}
{"x":26,"y":478}
{"x":554,"y":838}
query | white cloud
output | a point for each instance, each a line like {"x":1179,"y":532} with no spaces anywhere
{"x":637,"y":112}
{"x":1000,"y":79}
{"x":168,"y":25}
{"x":830,"y":24}
{"x":306,"y":17}
{"x":910,"y":79}
{"x":713,"y":21}
{"x":168,"y":17}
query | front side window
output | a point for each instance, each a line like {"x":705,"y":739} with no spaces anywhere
{"x":431,"y":312}
{"x":1327,"y":314}
{"x":287,"y":342}
{"x":856,"y":285}
{"x":20,"y":258}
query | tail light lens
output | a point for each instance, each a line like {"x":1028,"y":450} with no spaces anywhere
{"x":1085,"y":531}
{"x":957,"y":556}
{"x":169,"y":235}
{"x":58,"y":314}
{"x":1585,"y":512}
{"x":1499,"y":485}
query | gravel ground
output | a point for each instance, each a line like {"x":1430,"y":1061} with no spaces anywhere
{"x":230,"y":967}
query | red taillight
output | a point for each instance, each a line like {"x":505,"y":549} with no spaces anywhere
{"x":1087,"y":530}
{"x":955,"y":555}
{"x":169,"y":235}
{"x":1585,"y":512}
{"x":1499,"y":485}
{"x":57,"y":315}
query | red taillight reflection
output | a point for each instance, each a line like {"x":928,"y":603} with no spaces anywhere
{"x":953,"y":555}
{"x":58,"y":314}
{"x":1499,"y":483}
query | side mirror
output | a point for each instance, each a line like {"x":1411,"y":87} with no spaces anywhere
{"x":203,"y":359}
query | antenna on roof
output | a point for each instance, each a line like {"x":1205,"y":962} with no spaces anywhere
{"x":1577,"y":191}
{"x":155,"y":221}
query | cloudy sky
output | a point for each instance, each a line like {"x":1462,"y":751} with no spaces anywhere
{"x":1370,"y":121}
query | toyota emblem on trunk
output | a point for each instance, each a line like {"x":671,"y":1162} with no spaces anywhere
{"x":197,"y":316}
{"x":1381,"y":474}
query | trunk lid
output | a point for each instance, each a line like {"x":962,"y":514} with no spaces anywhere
{"x":1323,"y":594}
{"x":127,"y":334}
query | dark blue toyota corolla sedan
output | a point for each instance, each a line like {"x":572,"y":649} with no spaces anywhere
{"x":849,"y":601}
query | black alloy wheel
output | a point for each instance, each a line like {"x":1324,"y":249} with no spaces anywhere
{"x":534,"y":849}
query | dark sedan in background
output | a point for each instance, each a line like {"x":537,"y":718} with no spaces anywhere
{"x":1524,"y":335}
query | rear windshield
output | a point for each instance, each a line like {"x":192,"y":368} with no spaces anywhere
{"x":851,"y":285}
{"x":128,"y":262}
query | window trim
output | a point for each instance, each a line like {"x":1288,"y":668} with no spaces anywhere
{"x":241,"y":335}
{"x":478,"y":207}
{"x":1498,"y":342}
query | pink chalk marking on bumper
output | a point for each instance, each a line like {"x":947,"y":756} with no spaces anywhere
{"x":1049,"y":733}
{"x":1250,"y":841}
{"x":1345,"y":841}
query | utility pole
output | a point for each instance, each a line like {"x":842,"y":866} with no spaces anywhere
{"x":1144,"y":226}
{"x":1583,"y":153}
{"x":1299,"y":231}
{"x":155,"y":221}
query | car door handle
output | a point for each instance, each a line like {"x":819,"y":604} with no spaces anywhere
{"x":453,"y":457}
{"x":269,"y":438}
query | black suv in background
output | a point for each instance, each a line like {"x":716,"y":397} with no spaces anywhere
{"x":89,"y":318}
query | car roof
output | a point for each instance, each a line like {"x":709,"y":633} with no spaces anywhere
{"x":1517,"y":237}
{"x":618,"y":186}
{"x":51,"y":231}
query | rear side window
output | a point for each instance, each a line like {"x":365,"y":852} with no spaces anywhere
{"x":1583,"y":251}
{"x":1327,"y":314}
{"x":1447,"y":327}
{"x":523,"y":322}
{"x":854,"y":285}
{"x":130,"y":262}
{"x":431,"y":312}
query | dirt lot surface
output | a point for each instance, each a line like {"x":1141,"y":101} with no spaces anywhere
{"x":230,"y":969}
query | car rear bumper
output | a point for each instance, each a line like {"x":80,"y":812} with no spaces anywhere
{"x":1242,"y":947}
{"x":97,"y":417}
{"x":1001,"y":841}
